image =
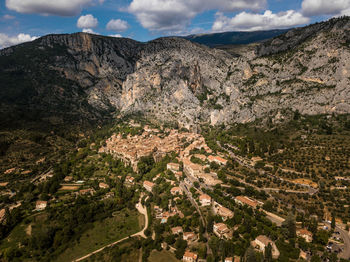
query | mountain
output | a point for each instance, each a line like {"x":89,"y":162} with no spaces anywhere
{"x":83,"y":78}
{"x":234,"y":38}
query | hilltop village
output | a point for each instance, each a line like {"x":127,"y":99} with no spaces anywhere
{"x":156,"y":191}
{"x":193,"y":176}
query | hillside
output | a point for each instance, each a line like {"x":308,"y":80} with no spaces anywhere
{"x":234,"y":38}
{"x":83,"y":78}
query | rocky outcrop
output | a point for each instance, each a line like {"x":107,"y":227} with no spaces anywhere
{"x":174,"y":80}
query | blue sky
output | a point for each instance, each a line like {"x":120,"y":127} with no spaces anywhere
{"x":143,"y":20}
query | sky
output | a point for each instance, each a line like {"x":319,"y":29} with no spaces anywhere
{"x":144,"y":20}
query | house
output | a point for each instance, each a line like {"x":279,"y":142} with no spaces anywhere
{"x":177,"y":230}
{"x":178,"y":175}
{"x":218,"y":160}
{"x":224,"y":212}
{"x":261,"y":242}
{"x":221,"y":230}
{"x":173,"y":167}
{"x":205,"y":200}
{"x":68,"y":178}
{"x":200,"y":157}
{"x":166,"y":215}
{"x":158,"y":209}
{"x":303,"y":255}
{"x":176,"y":191}
{"x":243,"y":200}
{"x":190,"y":256}
{"x":103,"y":185}
{"x":229,"y":259}
{"x":192,"y":169}
{"x":306,"y":234}
{"x":189,"y":236}
{"x":208,"y":179}
{"x":86,"y":191}
{"x":148,"y":185}
{"x":130,"y":180}
{"x":40,"y":205}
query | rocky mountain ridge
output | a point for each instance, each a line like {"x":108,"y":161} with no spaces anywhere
{"x":80,"y":77}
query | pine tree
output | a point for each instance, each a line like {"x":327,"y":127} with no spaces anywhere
{"x":333,"y":222}
{"x":268,"y":253}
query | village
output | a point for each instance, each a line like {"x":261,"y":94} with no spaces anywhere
{"x":192,"y":167}
{"x":191,"y":205}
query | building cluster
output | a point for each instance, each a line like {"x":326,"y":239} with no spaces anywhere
{"x":165,"y":215}
{"x":132,"y":148}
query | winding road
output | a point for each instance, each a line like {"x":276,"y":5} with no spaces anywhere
{"x":345,"y":254}
{"x":143,"y":211}
{"x":194,"y":203}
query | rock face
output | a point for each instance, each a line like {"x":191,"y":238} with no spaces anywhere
{"x":87,"y":77}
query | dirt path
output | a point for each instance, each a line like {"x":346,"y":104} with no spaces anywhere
{"x":143,"y":211}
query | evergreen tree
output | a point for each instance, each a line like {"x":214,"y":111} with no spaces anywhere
{"x":268,"y":253}
{"x":333,"y":222}
{"x":250,"y":255}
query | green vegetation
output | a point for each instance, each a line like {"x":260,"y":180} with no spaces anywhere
{"x":103,"y":232}
{"x":161,"y":256}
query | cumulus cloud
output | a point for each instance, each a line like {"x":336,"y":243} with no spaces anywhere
{"x":6,"y":41}
{"x":87,"y":21}
{"x":90,"y":31}
{"x":325,"y":7}
{"x":48,"y":7}
{"x":116,"y":35}
{"x":252,"y":22}
{"x":117,"y":25}
{"x":174,"y":15}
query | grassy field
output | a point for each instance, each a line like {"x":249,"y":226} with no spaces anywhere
{"x":15,"y":237}
{"x":104,"y":232}
{"x":127,"y":248}
{"x":162,"y":256}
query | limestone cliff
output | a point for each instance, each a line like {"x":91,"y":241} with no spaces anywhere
{"x":89,"y":77}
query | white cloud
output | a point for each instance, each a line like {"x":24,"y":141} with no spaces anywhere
{"x":116,"y":35}
{"x":117,"y":25}
{"x":252,"y":22}
{"x":90,"y":31}
{"x":175,"y":15}
{"x":6,"y":41}
{"x":325,"y":7}
{"x":87,"y":21}
{"x":49,"y":7}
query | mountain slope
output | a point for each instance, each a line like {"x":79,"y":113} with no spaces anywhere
{"x":234,"y":38}
{"x":66,"y":79}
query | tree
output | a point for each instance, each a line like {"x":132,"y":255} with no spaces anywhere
{"x":290,"y":226}
{"x":250,"y":255}
{"x":268,"y":253}
{"x":315,"y":258}
{"x":145,"y":164}
{"x":210,"y":224}
{"x":333,"y":222}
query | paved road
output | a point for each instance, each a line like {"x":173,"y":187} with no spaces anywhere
{"x":346,"y":237}
{"x":189,"y":195}
{"x":143,"y":211}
